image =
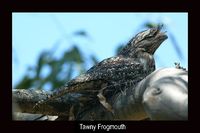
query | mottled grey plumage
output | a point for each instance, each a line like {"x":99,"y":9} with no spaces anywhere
{"x":116,"y":74}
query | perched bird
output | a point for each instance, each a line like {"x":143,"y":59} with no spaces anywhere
{"x":114,"y":75}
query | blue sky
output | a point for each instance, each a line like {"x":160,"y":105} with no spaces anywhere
{"x":34,"y":32}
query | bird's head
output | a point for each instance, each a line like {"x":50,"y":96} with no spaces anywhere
{"x":148,"y":40}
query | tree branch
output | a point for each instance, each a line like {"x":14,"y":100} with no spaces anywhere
{"x":24,"y":101}
{"x":133,"y":104}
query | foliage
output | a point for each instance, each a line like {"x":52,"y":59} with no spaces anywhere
{"x":59,"y":70}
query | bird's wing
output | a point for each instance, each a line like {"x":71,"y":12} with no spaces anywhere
{"x":111,"y":69}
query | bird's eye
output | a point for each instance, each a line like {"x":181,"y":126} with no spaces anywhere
{"x":149,"y":36}
{"x":152,"y":34}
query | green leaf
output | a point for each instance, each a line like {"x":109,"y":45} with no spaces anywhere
{"x":25,"y":83}
{"x":74,"y":55}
